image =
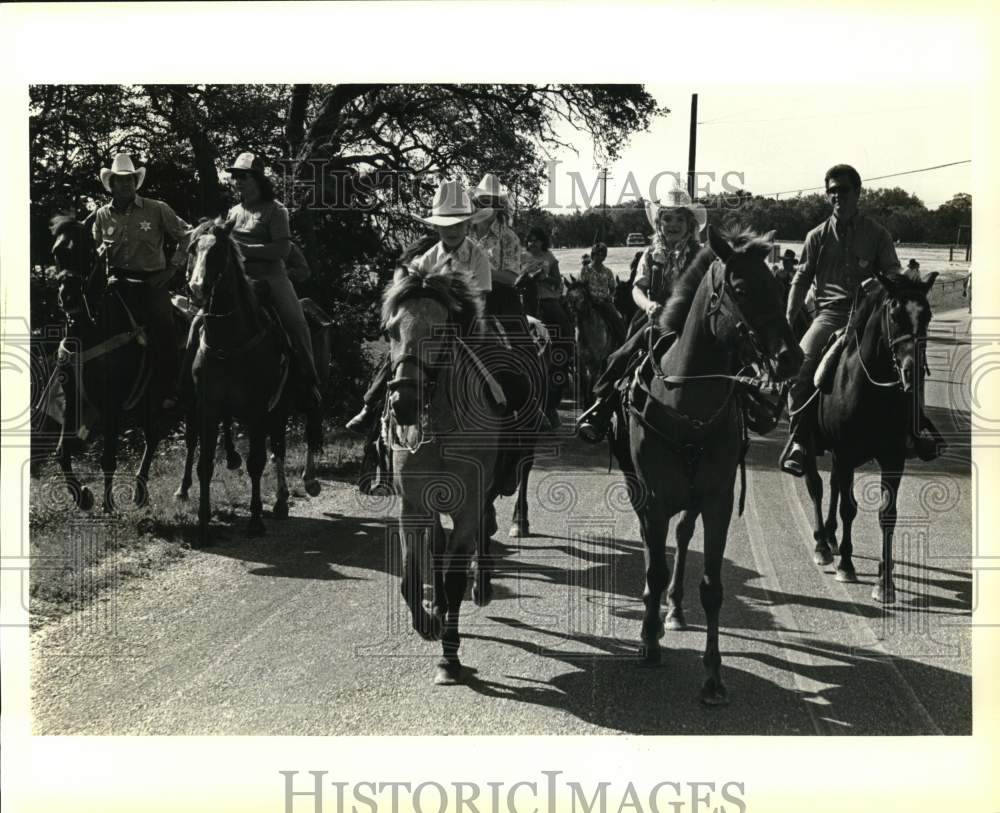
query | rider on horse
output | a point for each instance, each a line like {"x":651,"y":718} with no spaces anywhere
{"x":260,"y":225}
{"x":839,"y":255}
{"x":602,"y":284}
{"x":130,"y":233}
{"x":677,"y":225}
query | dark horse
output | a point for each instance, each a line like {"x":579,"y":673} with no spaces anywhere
{"x":241,"y":369}
{"x":444,"y":417}
{"x":866,"y":414}
{"x":685,"y":439}
{"x":103,"y":366}
{"x":595,"y":340}
{"x":623,"y":291}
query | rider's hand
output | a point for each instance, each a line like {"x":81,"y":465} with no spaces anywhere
{"x":652,"y":309}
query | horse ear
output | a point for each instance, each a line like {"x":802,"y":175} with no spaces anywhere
{"x":719,"y":245}
{"x":769,"y":236}
{"x":929,"y":281}
{"x":888,"y":282}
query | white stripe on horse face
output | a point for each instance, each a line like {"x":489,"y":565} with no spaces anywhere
{"x":204,"y":245}
{"x":915,"y":310}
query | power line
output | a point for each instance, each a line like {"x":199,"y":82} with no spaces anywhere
{"x":864,"y":180}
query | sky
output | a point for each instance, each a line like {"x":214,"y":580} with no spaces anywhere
{"x":784,"y":137}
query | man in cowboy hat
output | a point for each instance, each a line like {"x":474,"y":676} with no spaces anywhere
{"x":450,"y":214}
{"x":676,"y":226}
{"x":130,"y":232}
{"x":786,"y":271}
{"x":838,"y":255}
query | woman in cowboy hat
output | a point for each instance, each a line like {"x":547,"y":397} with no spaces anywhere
{"x":677,"y":225}
{"x":261,"y":227}
{"x":132,"y":231}
{"x":451,"y":213}
{"x":490,"y":227}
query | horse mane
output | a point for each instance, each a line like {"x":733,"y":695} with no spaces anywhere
{"x":62,"y":223}
{"x":743,"y":241}
{"x":455,"y":290}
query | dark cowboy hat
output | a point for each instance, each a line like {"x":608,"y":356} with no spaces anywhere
{"x":913,"y":264}
{"x":788,"y":255}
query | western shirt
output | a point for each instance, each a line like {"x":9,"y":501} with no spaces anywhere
{"x":133,"y":239}
{"x":838,"y":256}
{"x":660,"y":268}
{"x":600,"y":281}
{"x":467,"y":257}
{"x":503,"y":248}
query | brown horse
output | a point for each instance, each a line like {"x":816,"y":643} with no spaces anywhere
{"x":685,"y":440}
{"x":240,"y":370}
{"x":866,"y":414}
{"x":595,"y":340}
{"x":444,"y":415}
{"x":104,"y":366}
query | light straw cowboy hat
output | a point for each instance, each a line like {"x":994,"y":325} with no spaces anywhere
{"x":122,"y":165}
{"x":451,"y":205}
{"x":489,"y":188}
{"x":677,"y":198}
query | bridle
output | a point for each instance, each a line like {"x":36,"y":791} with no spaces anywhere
{"x":890,"y":343}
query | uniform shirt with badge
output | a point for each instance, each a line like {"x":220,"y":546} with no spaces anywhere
{"x":838,"y":256}
{"x":134,"y":238}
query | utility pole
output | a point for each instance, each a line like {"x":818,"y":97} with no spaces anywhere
{"x":604,"y":202}
{"x":692,"y":143}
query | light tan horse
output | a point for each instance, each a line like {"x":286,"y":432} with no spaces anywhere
{"x":443,"y":419}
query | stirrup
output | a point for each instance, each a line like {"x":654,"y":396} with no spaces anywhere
{"x":792,"y":462}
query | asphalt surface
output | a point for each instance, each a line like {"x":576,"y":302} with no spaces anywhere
{"x":304,"y":631}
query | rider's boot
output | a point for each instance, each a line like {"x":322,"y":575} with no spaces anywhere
{"x":592,"y":425}
{"x":363,"y":422}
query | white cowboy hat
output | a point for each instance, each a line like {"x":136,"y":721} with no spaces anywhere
{"x":451,"y":205}
{"x":677,"y":198}
{"x":122,"y":165}
{"x":489,"y":187}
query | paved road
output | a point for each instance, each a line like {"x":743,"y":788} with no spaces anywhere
{"x":303,"y":632}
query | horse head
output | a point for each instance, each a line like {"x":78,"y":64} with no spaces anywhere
{"x":417,"y":312}
{"x":211,"y":253}
{"x":74,"y":255}
{"x":752,"y":302}
{"x":577,"y":296}
{"x":903,"y":320}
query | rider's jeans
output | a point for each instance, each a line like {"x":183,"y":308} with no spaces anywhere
{"x":824,"y":325}
{"x":286,"y":303}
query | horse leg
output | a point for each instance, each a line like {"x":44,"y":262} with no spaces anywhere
{"x":255,"y":468}
{"x":456,"y":555}
{"x":411,"y":535}
{"x":82,"y":496}
{"x":884,"y":591}
{"x":675,"y":592}
{"x":830,"y":523}
{"x":654,"y":524}
{"x":848,"y":511}
{"x":314,"y":447}
{"x":716,"y":525}
{"x":814,"y":483}
{"x":109,"y":455}
{"x":482,"y":564}
{"x":151,"y":433}
{"x":278,"y":452}
{"x":520,"y":527}
{"x":233,"y":459}
{"x":439,"y":603}
{"x":191,"y":444}
{"x":209,"y":425}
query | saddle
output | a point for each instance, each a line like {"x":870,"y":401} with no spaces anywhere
{"x":827,"y":367}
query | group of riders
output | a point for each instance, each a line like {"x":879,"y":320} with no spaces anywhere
{"x":472,"y":233}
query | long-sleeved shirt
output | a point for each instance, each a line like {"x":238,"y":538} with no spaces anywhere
{"x":838,"y":257}
{"x":600,"y":281}
{"x":501,"y":246}
{"x":550,"y":282}
{"x":133,"y":239}
{"x":660,"y":268}
{"x":467,"y":257}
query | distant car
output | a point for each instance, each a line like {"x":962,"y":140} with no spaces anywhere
{"x":636,"y":239}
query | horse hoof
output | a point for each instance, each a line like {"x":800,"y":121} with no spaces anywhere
{"x":448,"y":673}
{"x":847,"y":575}
{"x":518,"y":531}
{"x":714,"y":693}
{"x":86,"y":501}
{"x":676,"y":621}
{"x":255,"y":528}
{"x":312,"y":486}
{"x":482,"y":594}
{"x":883,"y":594}
{"x":280,"y":510}
{"x":822,"y":556}
{"x":233,"y":461}
{"x":650,"y":655}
